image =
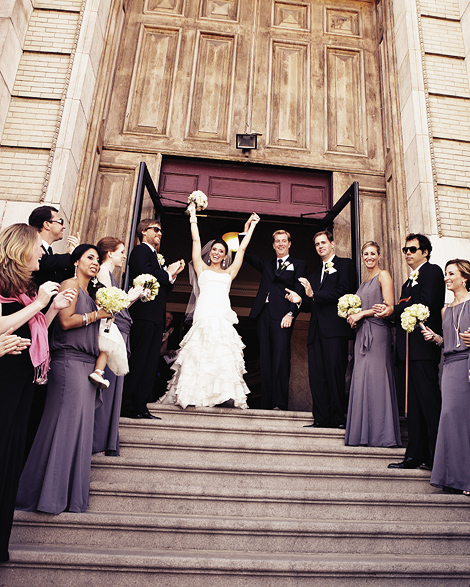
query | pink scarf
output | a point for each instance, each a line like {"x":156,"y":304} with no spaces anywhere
{"x":39,"y":349}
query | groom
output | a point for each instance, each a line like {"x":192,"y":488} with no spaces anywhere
{"x":148,"y":319}
{"x":275,"y":316}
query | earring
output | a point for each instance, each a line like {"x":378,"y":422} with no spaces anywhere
{"x":75,"y":274}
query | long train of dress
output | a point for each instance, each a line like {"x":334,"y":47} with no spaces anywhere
{"x":209,"y":368}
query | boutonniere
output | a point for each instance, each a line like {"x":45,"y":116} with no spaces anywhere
{"x":161,"y":259}
{"x":285,"y":264}
{"x":329,"y":266}
{"x":414,"y":277}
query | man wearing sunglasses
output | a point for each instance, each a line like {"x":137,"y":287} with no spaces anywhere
{"x":51,"y":228}
{"x":148,"y":321}
{"x":425,"y":285}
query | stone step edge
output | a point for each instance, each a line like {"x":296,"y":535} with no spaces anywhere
{"x":142,"y":463}
{"x":389,"y":454}
{"x":235,"y":562}
{"x":253,"y":414}
{"x":194,"y":492}
{"x":245,"y":525}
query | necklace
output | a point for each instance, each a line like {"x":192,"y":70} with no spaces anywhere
{"x":457,"y":328}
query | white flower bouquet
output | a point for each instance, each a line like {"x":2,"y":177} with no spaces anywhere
{"x":199,"y":199}
{"x":113,"y":300}
{"x":150,"y":283}
{"x":349,"y":304}
{"x":412,"y":315}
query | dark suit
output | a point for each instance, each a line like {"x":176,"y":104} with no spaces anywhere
{"x":146,"y":333}
{"x":274,"y":340}
{"x":53,"y":268}
{"x":424,"y":396}
{"x":327,"y":342}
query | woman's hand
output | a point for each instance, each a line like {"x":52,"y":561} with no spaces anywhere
{"x":46,"y":291}
{"x":428,"y":334}
{"x":11,"y":344}
{"x":382,"y":310}
{"x":307,"y":287}
{"x":64,"y":299}
{"x":465,"y":336}
{"x":293,"y":296}
{"x":135,"y":293}
{"x":353,"y":319}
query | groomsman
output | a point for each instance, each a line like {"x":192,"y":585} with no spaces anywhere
{"x":148,"y":321}
{"x":328,"y":334}
{"x":275,"y":316}
{"x":51,"y":229}
{"x":425,"y":285}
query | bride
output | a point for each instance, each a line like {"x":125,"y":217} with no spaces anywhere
{"x":209,"y":368}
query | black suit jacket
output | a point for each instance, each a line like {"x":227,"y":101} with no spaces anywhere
{"x":324,"y":304}
{"x":430,"y":291}
{"x":53,"y":268}
{"x":144,"y":260}
{"x":276,"y":285}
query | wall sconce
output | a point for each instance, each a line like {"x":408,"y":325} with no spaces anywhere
{"x":246,"y":142}
{"x":231,"y":238}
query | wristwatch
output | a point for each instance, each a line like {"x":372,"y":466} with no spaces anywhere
{"x":290,"y":314}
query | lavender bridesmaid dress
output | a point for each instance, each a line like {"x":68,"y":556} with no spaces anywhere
{"x":373,"y":412}
{"x":56,"y":476}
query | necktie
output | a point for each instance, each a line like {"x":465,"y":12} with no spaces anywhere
{"x":279,"y":266}
{"x":49,"y":251}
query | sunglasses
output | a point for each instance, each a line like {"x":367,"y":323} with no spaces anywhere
{"x":411,"y":249}
{"x":156,"y":229}
{"x":60,"y":221}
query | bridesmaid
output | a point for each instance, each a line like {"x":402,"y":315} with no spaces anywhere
{"x":56,"y":476}
{"x":106,"y":432}
{"x":451,"y":468}
{"x":373,"y":411}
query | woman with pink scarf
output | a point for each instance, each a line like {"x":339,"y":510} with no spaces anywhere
{"x":20,"y":369}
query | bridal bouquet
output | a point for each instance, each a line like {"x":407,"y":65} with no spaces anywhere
{"x":199,"y":199}
{"x":113,"y":300}
{"x":349,"y":304}
{"x":412,"y":315}
{"x":150,"y":283}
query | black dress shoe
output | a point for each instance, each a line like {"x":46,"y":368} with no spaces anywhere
{"x":147,"y":416}
{"x":408,"y":463}
{"x":341,"y":426}
{"x":315,"y":425}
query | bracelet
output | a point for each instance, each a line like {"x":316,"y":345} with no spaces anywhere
{"x":96,"y":315}
{"x":84,"y":319}
{"x":193,"y":220}
{"x":439,"y":341}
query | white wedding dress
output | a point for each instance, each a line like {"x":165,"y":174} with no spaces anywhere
{"x":209,"y":368}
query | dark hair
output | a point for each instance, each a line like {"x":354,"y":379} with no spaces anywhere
{"x":108,"y":244}
{"x":464,"y":267}
{"x":144,"y":224}
{"x":222,"y":242}
{"x":327,"y":233}
{"x":40,"y":215}
{"x":424,"y":242}
{"x":81,"y":250}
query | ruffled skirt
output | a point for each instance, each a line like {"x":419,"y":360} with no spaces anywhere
{"x":209,"y":368}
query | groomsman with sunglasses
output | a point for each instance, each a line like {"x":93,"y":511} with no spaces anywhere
{"x":52,"y":267}
{"x":425,"y":285}
{"x":148,"y":321}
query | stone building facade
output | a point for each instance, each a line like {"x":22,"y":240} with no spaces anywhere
{"x":374,"y":91}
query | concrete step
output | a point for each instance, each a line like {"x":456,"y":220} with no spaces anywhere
{"x":307,"y":504}
{"x":245,"y":475}
{"x":243,"y":534}
{"x":78,"y":566}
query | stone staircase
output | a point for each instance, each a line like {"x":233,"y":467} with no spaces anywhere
{"x":218,"y":497}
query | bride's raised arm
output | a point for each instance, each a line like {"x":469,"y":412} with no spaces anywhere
{"x":249,"y":229}
{"x":196,"y":253}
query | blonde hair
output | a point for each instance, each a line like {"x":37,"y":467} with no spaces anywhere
{"x":371,"y":244}
{"x":17,"y":244}
{"x":282,"y":232}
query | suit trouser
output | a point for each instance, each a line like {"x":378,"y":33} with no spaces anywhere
{"x":145,"y":344}
{"x":424,"y":408}
{"x":327,"y":362}
{"x":274,"y":360}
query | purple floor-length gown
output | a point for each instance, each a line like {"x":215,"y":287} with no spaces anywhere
{"x":56,"y":476}
{"x":373,"y":418}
